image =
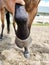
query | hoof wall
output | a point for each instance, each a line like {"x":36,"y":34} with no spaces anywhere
{"x":26,"y":54}
{"x":1,"y":37}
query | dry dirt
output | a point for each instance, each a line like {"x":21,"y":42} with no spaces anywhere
{"x":10,"y":54}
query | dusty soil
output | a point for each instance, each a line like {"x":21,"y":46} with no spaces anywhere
{"x":10,"y":54}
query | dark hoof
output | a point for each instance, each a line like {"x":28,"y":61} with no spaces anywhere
{"x":1,"y":36}
{"x":26,"y":54}
{"x":8,"y":32}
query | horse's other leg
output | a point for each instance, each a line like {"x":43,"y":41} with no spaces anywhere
{"x":8,"y":21}
{"x":14,"y":26}
{"x":2,"y":19}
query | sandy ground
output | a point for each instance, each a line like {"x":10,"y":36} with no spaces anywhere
{"x":39,"y":51}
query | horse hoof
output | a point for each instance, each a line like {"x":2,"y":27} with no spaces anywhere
{"x":26,"y":54}
{"x":1,"y":37}
{"x":8,"y":32}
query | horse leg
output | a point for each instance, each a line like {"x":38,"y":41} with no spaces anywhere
{"x":2,"y":19}
{"x":14,"y":26}
{"x":31,"y":17}
{"x":22,"y":32}
{"x":8,"y":21}
{"x":26,"y":52}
